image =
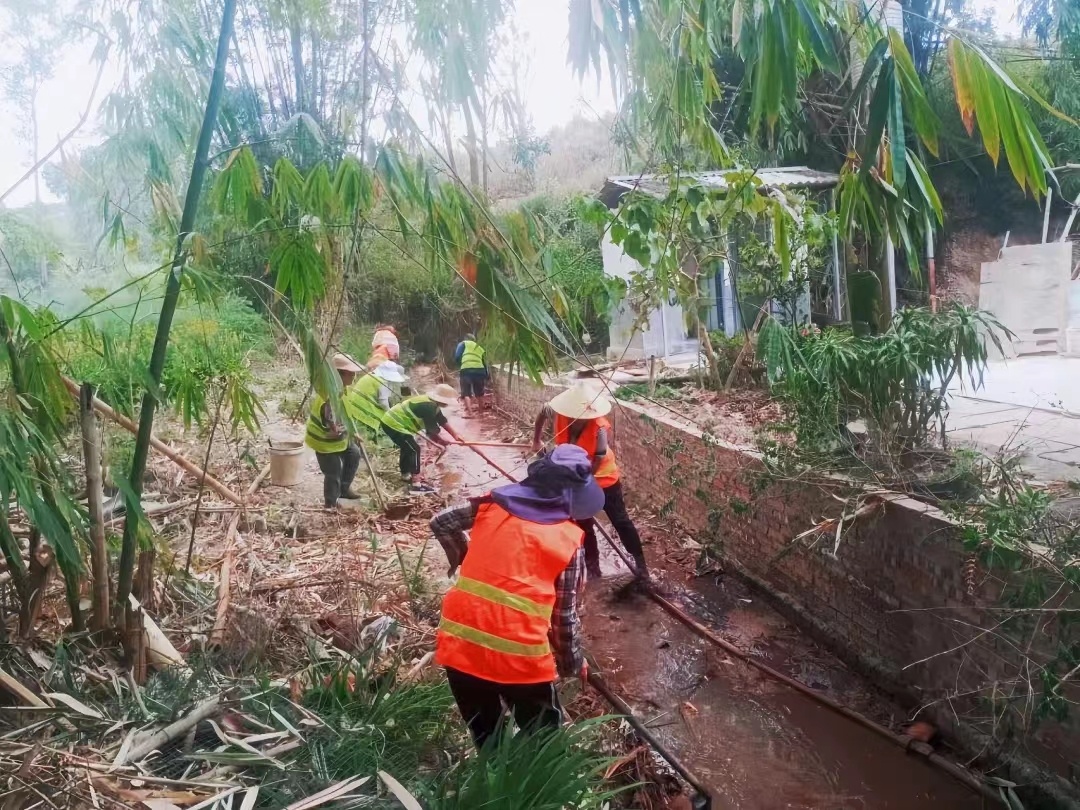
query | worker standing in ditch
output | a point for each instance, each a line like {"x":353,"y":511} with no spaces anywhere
{"x":471,"y":360}
{"x":580,"y":417}
{"x":510,"y":622}
{"x":371,"y":396}
{"x":338,"y":457}
{"x":411,"y":416}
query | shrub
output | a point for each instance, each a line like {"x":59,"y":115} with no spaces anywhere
{"x":896,"y":381}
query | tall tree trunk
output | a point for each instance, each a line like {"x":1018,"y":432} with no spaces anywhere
{"x":448,"y":139}
{"x":365,"y":103}
{"x":473,"y":148}
{"x":34,"y":128}
{"x":168,"y":306}
{"x":99,"y":553}
{"x":484,"y":139}
{"x":296,"y":45}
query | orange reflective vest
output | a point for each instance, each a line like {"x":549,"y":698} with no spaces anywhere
{"x":496,"y":617}
{"x":608,"y":471}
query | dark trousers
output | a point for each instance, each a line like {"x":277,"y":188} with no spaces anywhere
{"x":473,"y":382}
{"x":408,"y":451}
{"x":534,"y":705}
{"x":615,"y":509}
{"x":339,"y":470}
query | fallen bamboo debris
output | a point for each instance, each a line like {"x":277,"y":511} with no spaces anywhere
{"x":118,"y":418}
{"x":157,"y":739}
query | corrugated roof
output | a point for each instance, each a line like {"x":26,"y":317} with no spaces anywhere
{"x":779,"y":177}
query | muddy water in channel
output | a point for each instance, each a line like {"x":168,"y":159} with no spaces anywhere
{"x":760,"y":744}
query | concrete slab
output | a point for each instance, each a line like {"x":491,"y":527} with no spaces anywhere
{"x":1039,"y":382}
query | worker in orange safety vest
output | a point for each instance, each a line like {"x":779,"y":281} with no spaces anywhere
{"x":580,"y":417}
{"x":510,"y":623}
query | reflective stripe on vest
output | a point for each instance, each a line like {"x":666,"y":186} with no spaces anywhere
{"x":473,"y":356}
{"x":608,"y":471}
{"x":318,"y":435}
{"x":497,"y":616}
{"x":402,"y":418}
{"x":362,"y":401}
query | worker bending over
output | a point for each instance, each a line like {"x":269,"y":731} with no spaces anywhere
{"x":384,"y":346}
{"x":370,"y":397}
{"x":510,"y":623}
{"x":471,"y":359}
{"x":338,"y":457}
{"x":580,"y":415}
{"x":408,"y":418}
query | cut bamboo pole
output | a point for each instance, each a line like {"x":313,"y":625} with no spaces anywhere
{"x":99,"y":553}
{"x":173,"y":732}
{"x":217,"y":635}
{"x":160,"y":446}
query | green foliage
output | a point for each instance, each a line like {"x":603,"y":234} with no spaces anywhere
{"x":1017,"y":531}
{"x":209,"y":359}
{"x":778,"y":60}
{"x":543,"y":771}
{"x":726,"y":350}
{"x":374,"y":724}
{"x":573,"y":267}
{"x":896,"y":381}
{"x":33,"y":478}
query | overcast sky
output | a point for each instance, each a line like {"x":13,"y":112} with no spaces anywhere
{"x":554,"y":94}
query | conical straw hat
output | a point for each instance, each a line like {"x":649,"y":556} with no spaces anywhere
{"x":342,"y":362}
{"x":582,"y":401}
{"x":443,"y":394}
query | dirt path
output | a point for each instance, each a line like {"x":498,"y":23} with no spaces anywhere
{"x":760,"y":744}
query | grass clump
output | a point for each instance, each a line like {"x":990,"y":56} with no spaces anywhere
{"x":549,"y":770}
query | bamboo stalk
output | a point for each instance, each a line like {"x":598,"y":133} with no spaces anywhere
{"x":171,"y":732}
{"x":172,"y":296}
{"x":217,"y":634}
{"x":99,"y":553}
{"x":173,"y":456}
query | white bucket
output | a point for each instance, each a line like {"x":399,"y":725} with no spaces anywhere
{"x":286,"y":462}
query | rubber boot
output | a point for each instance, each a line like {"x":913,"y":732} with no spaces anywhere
{"x":641,"y":569}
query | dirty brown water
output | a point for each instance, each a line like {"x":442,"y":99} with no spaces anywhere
{"x":760,"y":744}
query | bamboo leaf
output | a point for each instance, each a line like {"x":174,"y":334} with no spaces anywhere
{"x":925,"y":185}
{"x":923,"y":118}
{"x":408,"y":801}
{"x":988,"y":112}
{"x":879,"y":116}
{"x":1010,"y":138}
{"x":820,"y":41}
{"x":897,"y":135}
{"x":873,"y":62}
{"x":963,"y":85}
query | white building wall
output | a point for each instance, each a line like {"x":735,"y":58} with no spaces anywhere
{"x":663,"y":332}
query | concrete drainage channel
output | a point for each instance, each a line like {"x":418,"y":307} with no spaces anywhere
{"x":719,"y":795}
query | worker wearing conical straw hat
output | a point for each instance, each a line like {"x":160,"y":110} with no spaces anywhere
{"x":422,"y":413}
{"x":338,"y":457}
{"x":580,"y":417}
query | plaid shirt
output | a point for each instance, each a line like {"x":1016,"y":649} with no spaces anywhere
{"x":449,"y":527}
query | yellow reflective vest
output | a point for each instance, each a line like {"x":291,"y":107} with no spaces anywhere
{"x":473,"y":356}
{"x":318,"y":436}
{"x":362,"y":401}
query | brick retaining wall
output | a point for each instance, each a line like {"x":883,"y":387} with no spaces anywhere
{"x":875,"y":603}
